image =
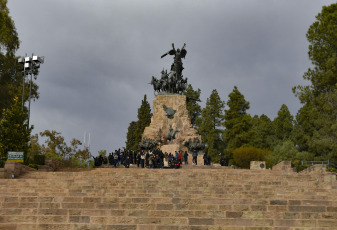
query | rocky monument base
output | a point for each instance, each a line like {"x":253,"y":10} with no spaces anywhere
{"x":170,"y":148}
{"x":179,"y":122}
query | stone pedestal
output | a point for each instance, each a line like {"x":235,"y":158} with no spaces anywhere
{"x":160,"y":124}
{"x":170,"y":148}
{"x":258,"y":165}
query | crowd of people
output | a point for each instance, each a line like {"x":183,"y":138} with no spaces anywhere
{"x":143,"y":159}
{"x":152,"y":159}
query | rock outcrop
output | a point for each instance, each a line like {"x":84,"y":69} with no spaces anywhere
{"x":160,"y":123}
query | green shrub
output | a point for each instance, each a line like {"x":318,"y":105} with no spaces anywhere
{"x":244,"y":155}
{"x":300,"y":167}
{"x":39,"y":159}
{"x":2,"y":161}
{"x":332,"y":170}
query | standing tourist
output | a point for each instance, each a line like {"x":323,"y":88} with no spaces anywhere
{"x":151,"y":158}
{"x":142,"y":159}
{"x":195,"y":157}
{"x":138,"y":158}
{"x":186,"y":157}
{"x":179,"y":157}
{"x":115,"y":158}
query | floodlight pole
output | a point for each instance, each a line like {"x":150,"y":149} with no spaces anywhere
{"x":30,"y":93}
{"x":33,"y":64}
{"x":22,"y":61}
{"x":30,"y":86}
{"x":23,"y":86}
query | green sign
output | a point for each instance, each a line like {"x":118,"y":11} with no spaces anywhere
{"x":15,"y":156}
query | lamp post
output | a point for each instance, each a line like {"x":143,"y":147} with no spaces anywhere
{"x":30,"y":66}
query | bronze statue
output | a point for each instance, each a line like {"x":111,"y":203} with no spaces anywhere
{"x":172,"y":82}
{"x":195,"y":145}
{"x":147,"y":144}
{"x":177,"y":65}
{"x":169,"y":112}
{"x":172,"y":134}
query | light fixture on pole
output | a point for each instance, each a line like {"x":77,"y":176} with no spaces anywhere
{"x":30,"y":66}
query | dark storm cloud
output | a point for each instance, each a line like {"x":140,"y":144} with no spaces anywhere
{"x":101,"y":54}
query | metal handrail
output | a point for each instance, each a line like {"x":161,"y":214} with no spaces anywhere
{"x":316,"y":162}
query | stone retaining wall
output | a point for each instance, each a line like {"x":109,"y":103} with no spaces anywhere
{"x":284,"y":167}
{"x":15,"y":168}
{"x":319,"y":173}
{"x":2,"y":173}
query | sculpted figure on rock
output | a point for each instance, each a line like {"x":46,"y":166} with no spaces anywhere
{"x":172,"y":82}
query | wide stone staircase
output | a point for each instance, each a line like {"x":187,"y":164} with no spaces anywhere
{"x":188,"y":198}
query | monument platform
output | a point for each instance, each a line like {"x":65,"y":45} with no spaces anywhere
{"x":160,"y":123}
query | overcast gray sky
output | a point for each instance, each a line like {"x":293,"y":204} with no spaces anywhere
{"x":100,"y":55}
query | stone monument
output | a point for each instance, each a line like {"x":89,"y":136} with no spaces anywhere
{"x":171,"y":126}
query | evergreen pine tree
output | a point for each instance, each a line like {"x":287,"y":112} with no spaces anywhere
{"x":316,"y":125}
{"x":262,"y":132}
{"x":237,"y":122}
{"x":283,"y":124}
{"x":144,"y":120}
{"x":194,"y":109}
{"x":210,"y":124}
{"x":130,"y":136}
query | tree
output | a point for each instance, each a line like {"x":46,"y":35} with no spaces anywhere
{"x":131,"y":136}
{"x":144,"y":120}
{"x":34,"y":148}
{"x":10,"y":72}
{"x":58,"y":149}
{"x":283,"y":123}
{"x":14,"y":131}
{"x":9,"y":41}
{"x":262,"y":132}
{"x":56,"y":145}
{"x":237,"y":122}
{"x":210,"y":124}
{"x":287,"y":151}
{"x":323,"y":51}
{"x":194,"y":109}
{"x":316,"y":124}
{"x":102,"y":152}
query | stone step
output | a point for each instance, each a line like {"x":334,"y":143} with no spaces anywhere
{"x":154,"y":181}
{"x":243,"y":212}
{"x":187,"y":182}
{"x":64,"y":189}
{"x":197,"y":198}
{"x":307,"y":192}
{"x":145,"y":227}
{"x":182,"y":180}
{"x":8,"y":222}
{"x":250,"y":209}
{"x":163,"y":200}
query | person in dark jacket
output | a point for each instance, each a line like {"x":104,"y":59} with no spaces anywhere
{"x":195,"y":157}
{"x":205,"y":157}
{"x":186,"y":157}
